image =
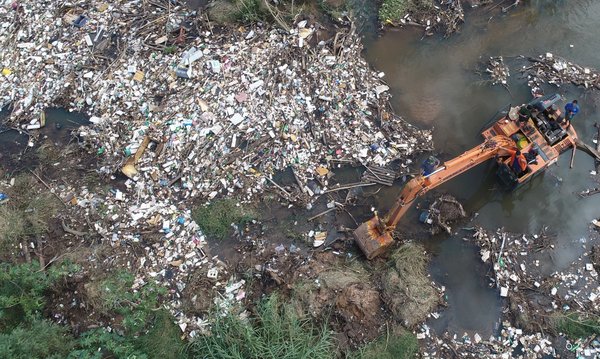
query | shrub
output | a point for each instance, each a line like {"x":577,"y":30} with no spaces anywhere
{"x":216,"y":218}
{"x":22,"y":289}
{"x":39,"y":339}
{"x":114,"y":294}
{"x":276,"y":332}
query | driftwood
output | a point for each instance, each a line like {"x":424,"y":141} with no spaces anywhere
{"x":321,"y":214}
{"x":349,"y":186}
{"x":72,"y":231}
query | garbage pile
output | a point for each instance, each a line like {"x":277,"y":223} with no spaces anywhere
{"x":218,"y":112}
{"x":552,"y":69}
{"x":510,"y":343}
{"x":249,"y":106}
{"x":442,"y":212}
{"x":535,"y":300}
{"x":443,"y":17}
{"x":497,"y":71}
{"x":536,"y":303}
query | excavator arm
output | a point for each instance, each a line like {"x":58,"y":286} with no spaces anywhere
{"x":375,"y":235}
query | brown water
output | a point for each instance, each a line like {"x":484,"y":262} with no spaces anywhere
{"x":434,"y":85}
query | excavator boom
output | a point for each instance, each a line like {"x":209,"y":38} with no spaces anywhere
{"x":375,"y":235}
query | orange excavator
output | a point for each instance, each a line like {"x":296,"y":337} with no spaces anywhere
{"x":542,"y":132}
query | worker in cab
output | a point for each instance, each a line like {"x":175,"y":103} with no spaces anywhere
{"x":429,"y":165}
{"x":525,"y":113}
{"x":518,"y":162}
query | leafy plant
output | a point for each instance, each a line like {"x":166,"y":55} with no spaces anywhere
{"x":276,"y":332}
{"x":216,"y":218}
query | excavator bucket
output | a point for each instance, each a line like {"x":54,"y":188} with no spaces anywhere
{"x":370,"y":239}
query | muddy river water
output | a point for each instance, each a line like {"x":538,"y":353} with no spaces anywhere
{"x":434,"y":85}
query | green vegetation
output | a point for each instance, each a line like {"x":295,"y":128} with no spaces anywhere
{"x":161,"y":340}
{"x":401,"y":345}
{"x":276,"y":332}
{"x":149,"y":332}
{"x":39,"y":339}
{"x":216,"y":218}
{"x":114,"y":295}
{"x":576,"y":327}
{"x":22,"y":290}
{"x":394,"y":10}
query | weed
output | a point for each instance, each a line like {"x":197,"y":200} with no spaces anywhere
{"x":48,"y":154}
{"x":334,"y":10}
{"x":39,"y":339}
{"x":399,"y":345}
{"x":100,"y":343}
{"x":12,"y":228}
{"x":250,"y":11}
{"x":576,"y":327}
{"x":277,"y":332}
{"x":223,"y":12}
{"x":216,"y":218}
{"x":406,"y":288}
{"x":169,"y":49}
{"x":394,"y":10}
{"x":161,"y":341}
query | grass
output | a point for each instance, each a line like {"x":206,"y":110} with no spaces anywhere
{"x":216,"y":218}
{"x":12,"y":228}
{"x":394,"y":10}
{"x":400,"y":345}
{"x":163,"y":339}
{"x":26,"y":214}
{"x":574,"y":326}
{"x":277,"y":332}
